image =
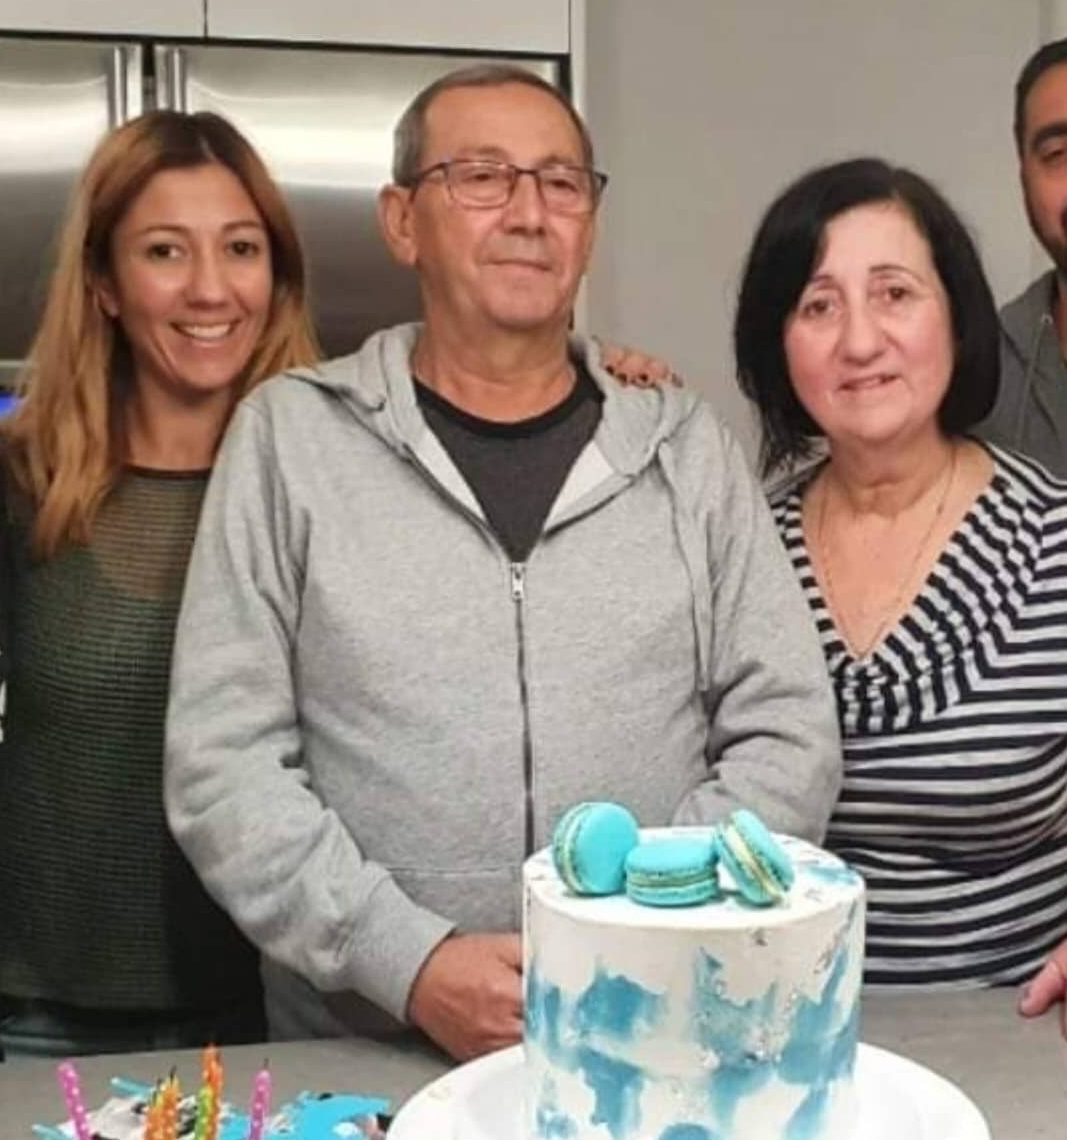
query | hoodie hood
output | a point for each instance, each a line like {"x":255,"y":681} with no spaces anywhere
{"x":1030,"y":414}
{"x":638,"y":428}
{"x":375,"y":383}
{"x":1028,"y":315}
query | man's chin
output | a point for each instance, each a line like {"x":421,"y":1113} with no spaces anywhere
{"x":530,"y":319}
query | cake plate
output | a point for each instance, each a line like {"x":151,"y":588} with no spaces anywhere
{"x":482,"y":1100}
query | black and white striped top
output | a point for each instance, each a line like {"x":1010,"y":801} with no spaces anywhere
{"x":954,"y":807}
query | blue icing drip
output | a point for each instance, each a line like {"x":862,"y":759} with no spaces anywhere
{"x":617,"y":1088}
{"x":729,"y":1028}
{"x":544,"y":1009}
{"x":813,"y":1051}
{"x":834,"y":874}
{"x":616,"y":1007}
{"x":551,"y":1122}
{"x":555,"y":1126}
{"x":612,"y":1007}
{"x":687,"y":1132}
{"x":731,"y":1084}
{"x":816,"y":1055}
{"x":808,"y":1120}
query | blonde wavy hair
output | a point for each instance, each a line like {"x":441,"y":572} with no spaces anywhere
{"x":66,"y":443}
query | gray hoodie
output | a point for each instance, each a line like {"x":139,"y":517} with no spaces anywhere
{"x":1030,"y":414}
{"x":374,"y":715}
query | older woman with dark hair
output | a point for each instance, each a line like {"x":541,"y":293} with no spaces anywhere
{"x":935,"y":568}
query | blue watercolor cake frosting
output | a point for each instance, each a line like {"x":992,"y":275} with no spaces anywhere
{"x":721,"y":1021}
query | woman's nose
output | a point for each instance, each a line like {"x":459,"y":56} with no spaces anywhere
{"x":862,"y":335}
{"x":207,"y":279}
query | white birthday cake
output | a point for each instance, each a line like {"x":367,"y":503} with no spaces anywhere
{"x":721,"y":1021}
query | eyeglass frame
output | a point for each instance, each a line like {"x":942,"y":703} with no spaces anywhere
{"x":599,"y":181}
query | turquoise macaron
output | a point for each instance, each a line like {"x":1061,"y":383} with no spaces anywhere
{"x":757,"y":862}
{"x":590,"y":845}
{"x":673,"y":871}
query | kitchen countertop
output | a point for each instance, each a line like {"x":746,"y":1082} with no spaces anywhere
{"x":1014,"y":1070}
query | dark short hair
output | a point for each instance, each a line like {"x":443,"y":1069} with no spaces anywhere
{"x":1047,"y":56}
{"x":409,"y":137}
{"x":788,"y":243}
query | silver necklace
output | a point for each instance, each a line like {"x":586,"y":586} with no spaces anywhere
{"x":892,"y":608}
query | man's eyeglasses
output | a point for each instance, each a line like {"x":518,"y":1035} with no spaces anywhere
{"x":483,"y":183}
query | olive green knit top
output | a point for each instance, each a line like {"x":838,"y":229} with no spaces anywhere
{"x":98,"y":907}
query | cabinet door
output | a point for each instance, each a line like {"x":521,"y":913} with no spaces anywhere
{"x":105,"y":17}
{"x":58,"y":98}
{"x":542,"y":27}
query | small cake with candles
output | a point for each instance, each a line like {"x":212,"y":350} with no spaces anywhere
{"x":712,"y":995}
{"x":161,"y":1112}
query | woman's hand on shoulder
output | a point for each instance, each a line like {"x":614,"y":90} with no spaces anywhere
{"x":631,"y":366}
{"x":1048,"y":987}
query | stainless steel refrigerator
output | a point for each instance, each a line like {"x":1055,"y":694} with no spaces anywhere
{"x":322,"y":119}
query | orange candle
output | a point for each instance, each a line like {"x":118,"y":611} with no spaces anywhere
{"x":153,"y":1121}
{"x":171,"y":1097}
{"x":212,"y":1069}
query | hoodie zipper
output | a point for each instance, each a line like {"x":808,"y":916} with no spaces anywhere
{"x":518,"y":596}
{"x":517,"y":575}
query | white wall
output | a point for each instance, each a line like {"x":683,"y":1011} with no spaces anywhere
{"x":702,"y":110}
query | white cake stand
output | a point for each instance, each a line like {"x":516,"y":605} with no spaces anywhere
{"x":898,"y":1098}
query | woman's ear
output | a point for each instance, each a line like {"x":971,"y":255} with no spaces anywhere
{"x":106,"y":297}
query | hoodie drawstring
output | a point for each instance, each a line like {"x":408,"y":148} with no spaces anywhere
{"x":694,"y":550}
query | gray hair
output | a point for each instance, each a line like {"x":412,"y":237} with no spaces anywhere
{"x":409,"y":137}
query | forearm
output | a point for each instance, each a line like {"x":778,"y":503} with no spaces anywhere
{"x":773,"y":740}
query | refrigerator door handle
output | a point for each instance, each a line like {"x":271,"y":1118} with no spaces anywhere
{"x":124,"y":72}
{"x":170,"y":79}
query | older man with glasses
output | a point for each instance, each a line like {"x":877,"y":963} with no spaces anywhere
{"x":449,"y":586}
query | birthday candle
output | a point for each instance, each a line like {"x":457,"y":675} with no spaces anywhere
{"x":153,"y":1121}
{"x":260,"y":1104}
{"x":72,"y":1095}
{"x":208,"y":1059}
{"x":213,"y":1119}
{"x":203,"y":1112}
{"x":208,"y":1107}
{"x":171,"y":1096}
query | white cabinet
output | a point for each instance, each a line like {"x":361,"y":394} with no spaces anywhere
{"x":104,"y":17}
{"x":541,"y":27}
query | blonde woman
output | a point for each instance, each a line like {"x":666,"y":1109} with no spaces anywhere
{"x":179,"y":286}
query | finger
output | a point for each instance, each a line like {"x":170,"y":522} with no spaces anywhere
{"x":1046,"y":987}
{"x":509,"y":950}
{"x":634,"y":364}
{"x":611,"y":355}
{"x":510,"y":1033}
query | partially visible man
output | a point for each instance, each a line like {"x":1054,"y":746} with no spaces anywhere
{"x":1030,"y":414}
{"x":448,"y":586}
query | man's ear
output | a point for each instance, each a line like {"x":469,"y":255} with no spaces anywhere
{"x":396,"y":218}
{"x":106,"y":297}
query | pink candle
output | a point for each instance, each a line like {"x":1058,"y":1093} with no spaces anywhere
{"x":72,"y":1094}
{"x":260,"y":1104}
